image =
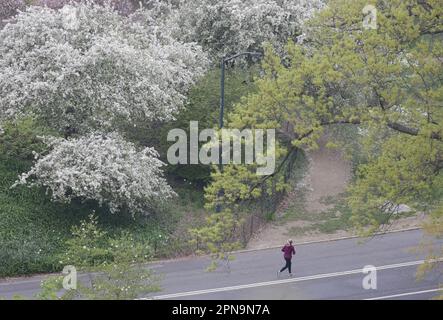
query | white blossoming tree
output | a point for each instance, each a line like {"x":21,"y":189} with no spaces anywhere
{"x":85,"y":67}
{"x":87,"y":71}
{"x":224,"y":27}
{"x":105,"y":168}
{"x":122,"y":6}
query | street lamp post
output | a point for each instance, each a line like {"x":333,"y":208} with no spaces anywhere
{"x":222,"y":105}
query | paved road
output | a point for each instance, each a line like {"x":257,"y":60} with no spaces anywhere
{"x":327,"y":270}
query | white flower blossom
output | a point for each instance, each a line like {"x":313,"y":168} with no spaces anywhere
{"x":230,"y":26}
{"x":86,"y":67}
{"x":102,"y":167}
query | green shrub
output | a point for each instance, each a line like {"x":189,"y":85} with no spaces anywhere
{"x":203,"y":106}
{"x":20,"y":139}
{"x":118,"y":263}
{"x":31,"y":226}
{"x":34,"y":230}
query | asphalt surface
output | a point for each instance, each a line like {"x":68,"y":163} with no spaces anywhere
{"x":326,"y":270}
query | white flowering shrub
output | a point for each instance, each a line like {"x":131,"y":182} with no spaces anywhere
{"x":86,"y":67}
{"x":230,"y":26}
{"x":102,"y":167}
{"x":54,"y":4}
{"x":122,"y":6}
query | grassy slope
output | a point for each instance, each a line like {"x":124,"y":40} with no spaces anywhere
{"x":33,"y":229}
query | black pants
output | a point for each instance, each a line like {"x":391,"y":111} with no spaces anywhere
{"x":287,"y":266}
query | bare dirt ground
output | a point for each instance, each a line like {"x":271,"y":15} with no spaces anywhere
{"x":327,"y":176}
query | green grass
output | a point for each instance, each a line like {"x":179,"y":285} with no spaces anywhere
{"x":33,"y":229}
{"x":296,"y":209}
{"x":299,"y":231}
{"x":337,"y":217}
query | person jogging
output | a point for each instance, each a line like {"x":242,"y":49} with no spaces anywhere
{"x":288,"y":250}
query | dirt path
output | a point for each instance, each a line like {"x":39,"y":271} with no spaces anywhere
{"x":327,"y":176}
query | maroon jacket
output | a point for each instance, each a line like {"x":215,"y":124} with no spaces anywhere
{"x":288,"y":250}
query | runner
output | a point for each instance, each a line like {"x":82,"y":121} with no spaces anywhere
{"x":288,"y":250}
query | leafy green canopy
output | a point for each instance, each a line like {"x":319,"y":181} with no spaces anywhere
{"x":387,"y":81}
